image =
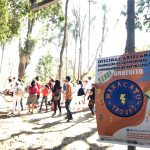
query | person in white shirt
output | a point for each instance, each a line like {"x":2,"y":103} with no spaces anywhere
{"x":17,"y":96}
{"x":9,"y":87}
{"x":89,"y":84}
{"x":87,"y":88}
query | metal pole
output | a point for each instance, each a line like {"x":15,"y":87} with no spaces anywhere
{"x":131,"y":147}
{"x":130,"y":43}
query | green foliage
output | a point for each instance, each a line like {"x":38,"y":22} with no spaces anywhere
{"x":52,"y":13}
{"x":3,"y":21}
{"x":44,"y":67}
{"x":105,"y":8}
{"x":143,"y":14}
{"x":28,"y":46}
{"x":55,"y":22}
{"x":14,"y":12}
{"x":74,"y":25}
{"x":11,"y":12}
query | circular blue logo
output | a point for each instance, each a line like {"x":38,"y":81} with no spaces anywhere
{"x":123,"y":98}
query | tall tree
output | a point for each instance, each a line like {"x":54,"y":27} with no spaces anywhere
{"x":89,"y":29}
{"x":10,"y":27}
{"x":104,"y":27}
{"x":64,"y":41}
{"x":75,"y":31}
{"x":78,"y":29}
{"x":52,"y":14}
{"x":27,"y":48}
{"x":81,"y":33}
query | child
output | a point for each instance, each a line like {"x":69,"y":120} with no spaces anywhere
{"x":45,"y":92}
{"x":91,"y":99}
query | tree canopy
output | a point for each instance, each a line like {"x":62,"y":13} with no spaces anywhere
{"x":44,"y":67}
{"x":143,"y":15}
{"x":12,"y":12}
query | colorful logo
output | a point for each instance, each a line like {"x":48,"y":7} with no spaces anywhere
{"x":123,"y":98}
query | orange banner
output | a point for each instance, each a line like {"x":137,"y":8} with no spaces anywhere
{"x":122,"y":98}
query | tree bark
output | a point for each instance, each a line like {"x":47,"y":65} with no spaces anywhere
{"x":66,"y":54}
{"x":82,"y":27}
{"x":64,"y":42}
{"x":130,"y":26}
{"x":75,"y":60}
{"x":24,"y":61}
{"x":24,"y":56}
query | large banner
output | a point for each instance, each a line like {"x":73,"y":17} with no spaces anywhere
{"x":123,"y":99}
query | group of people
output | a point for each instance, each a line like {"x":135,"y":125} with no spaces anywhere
{"x":84,"y":91}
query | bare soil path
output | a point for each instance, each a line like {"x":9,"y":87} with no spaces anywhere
{"x":40,"y":131}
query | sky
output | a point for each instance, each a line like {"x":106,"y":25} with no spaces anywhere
{"x":112,"y":46}
{"x":116,"y":39}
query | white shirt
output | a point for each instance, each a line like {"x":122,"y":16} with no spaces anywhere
{"x":89,"y":85}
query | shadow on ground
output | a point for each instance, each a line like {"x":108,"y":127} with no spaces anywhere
{"x":38,"y":129}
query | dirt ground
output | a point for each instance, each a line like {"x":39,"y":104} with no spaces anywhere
{"x":40,"y":131}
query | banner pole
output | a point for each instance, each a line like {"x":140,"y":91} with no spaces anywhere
{"x":131,"y":147}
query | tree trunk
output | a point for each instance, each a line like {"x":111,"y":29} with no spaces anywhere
{"x":64,"y":42}
{"x":66,"y":54}
{"x":80,"y":57}
{"x":103,"y":32}
{"x":89,"y":32}
{"x":24,"y":61}
{"x":82,"y":27}
{"x":100,"y":46}
{"x":75,"y":60}
{"x":30,"y":26}
{"x":130,"y":26}
{"x":3,"y":50}
{"x":130,"y":42}
{"x":24,"y":56}
{"x":79,"y":67}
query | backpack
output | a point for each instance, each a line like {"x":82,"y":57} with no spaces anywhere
{"x":57,"y":94}
{"x":80,"y":92}
{"x":19,"y":91}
